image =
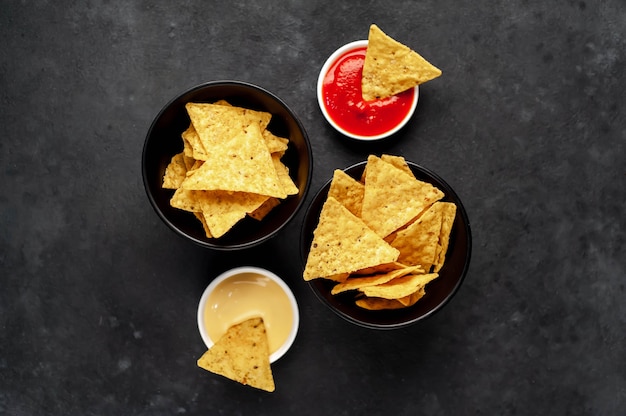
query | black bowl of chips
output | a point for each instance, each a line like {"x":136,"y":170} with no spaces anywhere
{"x":387,"y":246}
{"x":226,"y":164}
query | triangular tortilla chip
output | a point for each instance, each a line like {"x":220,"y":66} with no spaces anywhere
{"x":399,"y":162}
{"x":240,"y":163}
{"x":354,"y":283}
{"x":242,"y":355}
{"x":419,"y":241}
{"x":282,"y":171}
{"x":222,"y":210}
{"x":347,"y":190}
{"x":342,"y":243}
{"x":175,"y":172}
{"x":400,"y":287}
{"x":391,"y":67}
{"x":392,"y":198}
{"x":191,"y":137}
{"x":215,"y":123}
{"x":448,"y":211}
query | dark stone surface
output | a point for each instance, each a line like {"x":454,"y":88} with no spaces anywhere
{"x":527,"y":123}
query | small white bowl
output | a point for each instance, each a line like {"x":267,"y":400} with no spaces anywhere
{"x":320,"y":98}
{"x":257,"y":307}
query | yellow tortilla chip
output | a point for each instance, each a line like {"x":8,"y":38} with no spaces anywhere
{"x":265,"y":208}
{"x":205,"y":226}
{"x":282,"y":171}
{"x":400,"y":287}
{"x":418,"y":242}
{"x":175,"y":172}
{"x":412,"y":299}
{"x":391,"y":67}
{"x":448,"y":211}
{"x":241,"y":163}
{"x":342,"y":243}
{"x":222,"y":210}
{"x":195,"y":149}
{"x":392,"y":198}
{"x":242,"y":355}
{"x":377,"y":304}
{"x":274,"y":143}
{"x":348,"y":191}
{"x":399,"y":162}
{"x":354,"y":283}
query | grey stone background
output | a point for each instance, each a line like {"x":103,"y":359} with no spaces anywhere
{"x":527,"y":123}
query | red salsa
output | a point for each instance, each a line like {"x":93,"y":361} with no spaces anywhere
{"x":341,"y":91}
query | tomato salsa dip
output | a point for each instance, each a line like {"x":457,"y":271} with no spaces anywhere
{"x":339,"y":89}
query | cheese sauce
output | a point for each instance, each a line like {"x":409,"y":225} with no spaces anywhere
{"x":246,"y":296}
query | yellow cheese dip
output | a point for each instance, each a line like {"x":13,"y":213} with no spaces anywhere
{"x":245,"y":296}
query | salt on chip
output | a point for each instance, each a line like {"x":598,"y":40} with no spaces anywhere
{"x":242,"y":354}
{"x":240,"y":163}
{"x":175,"y":172}
{"x":400,"y":287}
{"x":392,"y":198}
{"x":419,"y":241}
{"x":391,"y":67}
{"x":342,"y":243}
{"x":348,"y":191}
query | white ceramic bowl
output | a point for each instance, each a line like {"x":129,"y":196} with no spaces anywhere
{"x":320,"y":97}
{"x":256,"y":308}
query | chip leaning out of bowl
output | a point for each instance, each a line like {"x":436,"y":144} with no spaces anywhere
{"x":230,"y":167}
{"x":384,"y":238}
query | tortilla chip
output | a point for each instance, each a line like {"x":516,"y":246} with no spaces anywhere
{"x":274,"y":143}
{"x":195,"y":149}
{"x":175,"y":172}
{"x":222,"y":210}
{"x":448,"y":210}
{"x":354,"y":283}
{"x":391,"y":67}
{"x":400,"y":287}
{"x":392,"y":198}
{"x":412,"y":299}
{"x":342,"y":243}
{"x":399,"y":162}
{"x":240,"y":163}
{"x":265,"y":208}
{"x":377,"y":304}
{"x":205,"y":226}
{"x":215,"y":123}
{"x":348,"y":191}
{"x":242,"y":354}
{"x":419,"y":241}
{"x":282,"y":171}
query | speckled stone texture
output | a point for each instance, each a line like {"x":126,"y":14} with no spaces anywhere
{"x":527,"y":123}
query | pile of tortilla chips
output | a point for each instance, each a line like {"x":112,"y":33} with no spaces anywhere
{"x":230,"y":167}
{"x":391,"y":67}
{"x":242,"y":355}
{"x":383,"y":237}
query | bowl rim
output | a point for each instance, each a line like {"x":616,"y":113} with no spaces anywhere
{"x":320,"y":97}
{"x":146,"y":174}
{"x":382,"y":326}
{"x":231,"y":273}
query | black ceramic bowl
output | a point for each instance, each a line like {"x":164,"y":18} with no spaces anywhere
{"x":164,"y":140}
{"x":438,"y":292}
